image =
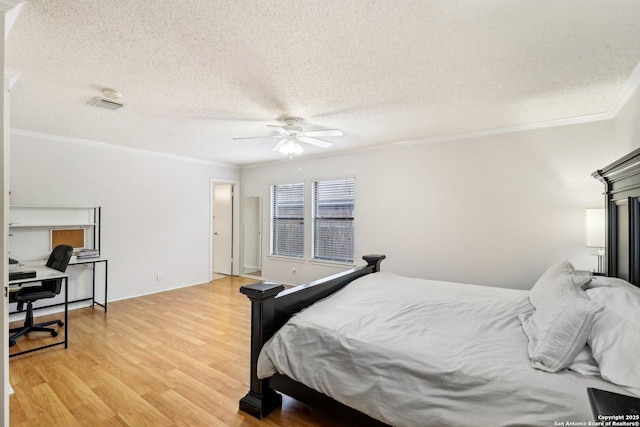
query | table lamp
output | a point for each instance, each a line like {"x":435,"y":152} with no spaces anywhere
{"x":594,"y":230}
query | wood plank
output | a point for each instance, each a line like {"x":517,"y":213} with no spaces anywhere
{"x":169,"y":359}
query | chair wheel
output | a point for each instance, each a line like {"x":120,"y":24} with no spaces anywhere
{"x":60,"y":323}
{"x":11,"y":343}
{"x":54,"y":333}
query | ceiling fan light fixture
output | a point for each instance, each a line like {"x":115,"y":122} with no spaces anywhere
{"x":293,"y":135}
{"x":291,"y":148}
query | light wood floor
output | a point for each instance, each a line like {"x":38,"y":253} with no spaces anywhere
{"x":177,"y":358}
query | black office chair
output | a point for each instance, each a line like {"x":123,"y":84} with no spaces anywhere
{"x":58,"y":260}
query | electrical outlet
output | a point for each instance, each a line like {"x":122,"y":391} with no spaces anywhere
{"x":159,"y":276}
{"x":293,"y":270}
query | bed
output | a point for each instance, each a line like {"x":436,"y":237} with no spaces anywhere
{"x":403,"y":351}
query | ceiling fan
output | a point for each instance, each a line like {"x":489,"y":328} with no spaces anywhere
{"x":292,"y":134}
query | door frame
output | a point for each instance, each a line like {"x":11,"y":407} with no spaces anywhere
{"x":235,"y":237}
{"x":9,"y":10}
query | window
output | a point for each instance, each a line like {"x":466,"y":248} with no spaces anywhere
{"x":287,"y":220}
{"x":332,"y":232}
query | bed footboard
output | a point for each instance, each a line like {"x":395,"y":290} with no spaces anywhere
{"x":271,"y":307}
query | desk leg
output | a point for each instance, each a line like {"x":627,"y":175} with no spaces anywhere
{"x":93,"y":283}
{"x":106,"y":273}
{"x":66,"y":312}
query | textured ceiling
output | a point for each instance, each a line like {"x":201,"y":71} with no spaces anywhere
{"x":196,"y":73}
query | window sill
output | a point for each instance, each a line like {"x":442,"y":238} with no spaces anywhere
{"x":286,"y":259}
{"x":336,"y":264}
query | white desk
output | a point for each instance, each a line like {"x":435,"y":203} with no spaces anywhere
{"x":43,"y":273}
{"x":30,"y":265}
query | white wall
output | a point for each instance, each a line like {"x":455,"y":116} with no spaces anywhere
{"x":495,"y":210}
{"x":155,"y":209}
{"x":627,"y":124}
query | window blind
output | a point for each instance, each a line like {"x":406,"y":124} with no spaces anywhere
{"x":287,"y":220}
{"x":332,"y":230}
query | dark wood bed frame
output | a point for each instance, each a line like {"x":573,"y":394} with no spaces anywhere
{"x":621,"y":181}
{"x":272,"y":306}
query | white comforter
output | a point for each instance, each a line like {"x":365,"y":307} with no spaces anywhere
{"x":413,"y":352}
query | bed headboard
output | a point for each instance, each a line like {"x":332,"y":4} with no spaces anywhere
{"x":621,"y":181}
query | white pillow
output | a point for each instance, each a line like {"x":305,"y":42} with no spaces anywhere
{"x":558,"y":331}
{"x":558,"y":280}
{"x":584,"y":363}
{"x":617,"y":295}
{"x":615,"y":343}
{"x":610,"y":282}
{"x":622,"y":302}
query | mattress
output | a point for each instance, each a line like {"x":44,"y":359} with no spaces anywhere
{"x":414,"y":352}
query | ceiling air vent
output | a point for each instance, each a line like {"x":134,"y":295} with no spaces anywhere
{"x":105,"y":103}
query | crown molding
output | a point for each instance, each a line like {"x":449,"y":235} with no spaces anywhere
{"x":510,"y":129}
{"x":630,"y":87}
{"x":104,"y":145}
{"x":431,"y":140}
{"x":10,"y":18}
{"x":11,"y":76}
{"x":7,"y":5}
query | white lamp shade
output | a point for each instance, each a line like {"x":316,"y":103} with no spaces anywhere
{"x":594,"y":227}
{"x":290,"y":148}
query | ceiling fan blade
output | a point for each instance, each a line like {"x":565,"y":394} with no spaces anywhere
{"x":315,"y":141}
{"x":259,"y":137}
{"x":279,"y":144}
{"x":324,"y":132}
{"x":280,"y":129}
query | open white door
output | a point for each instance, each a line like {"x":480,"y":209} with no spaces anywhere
{"x":8,"y":77}
{"x":222,"y":228}
{"x":4,"y":265}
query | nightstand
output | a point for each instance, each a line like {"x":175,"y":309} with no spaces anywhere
{"x":607,"y":403}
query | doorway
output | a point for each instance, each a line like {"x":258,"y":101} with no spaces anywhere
{"x":222,"y":230}
{"x":252,"y":233}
